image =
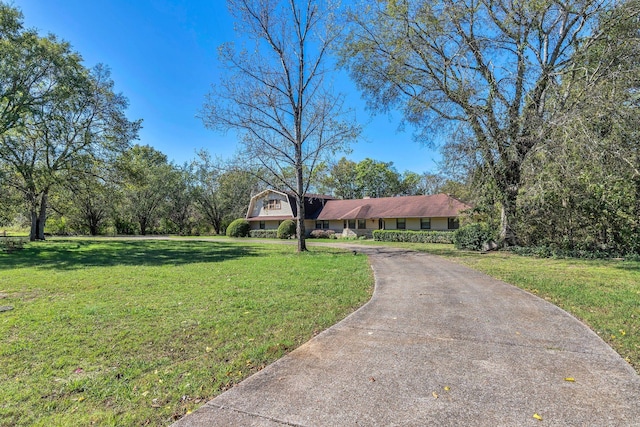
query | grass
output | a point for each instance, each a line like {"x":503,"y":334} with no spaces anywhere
{"x":604,"y":294}
{"x":107,"y":332}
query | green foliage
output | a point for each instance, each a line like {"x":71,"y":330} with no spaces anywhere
{"x":64,"y":115}
{"x":286,"y":229}
{"x":411,"y":236}
{"x":377,"y":179}
{"x":396,"y":50}
{"x":239,"y":228}
{"x":58,"y":226}
{"x":264,"y":234}
{"x":473,"y":236}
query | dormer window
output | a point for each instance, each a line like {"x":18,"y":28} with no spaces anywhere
{"x":271,"y":204}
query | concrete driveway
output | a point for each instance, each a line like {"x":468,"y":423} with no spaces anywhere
{"x":439,"y":344}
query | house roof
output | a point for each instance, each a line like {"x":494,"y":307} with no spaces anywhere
{"x":434,"y":206}
{"x":313,"y":204}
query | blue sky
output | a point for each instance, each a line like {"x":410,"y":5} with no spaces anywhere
{"x":163,"y":58}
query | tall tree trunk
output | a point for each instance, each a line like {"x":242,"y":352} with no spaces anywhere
{"x":300,"y":230}
{"x":38,"y":216}
{"x":33,"y":233}
{"x":42,"y":217}
{"x":302,"y":244}
{"x":508,"y":236}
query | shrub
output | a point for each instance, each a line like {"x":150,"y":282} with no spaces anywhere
{"x":413,"y":236}
{"x":472,"y":236}
{"x":286,"y":229}
{"x":264,"y":234}
{"x":11,"y":244}
{"x":239,"y":228}
{"x":322,"y":234}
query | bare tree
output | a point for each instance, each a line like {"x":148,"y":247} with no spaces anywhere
{"x":275,"y":93}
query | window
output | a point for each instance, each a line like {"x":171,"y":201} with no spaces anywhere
{"x":271,"y":204}
{"x":362,"y":224}
{"x":425,"y":223}
{"x":352,"y":223}
{"x":453,"y":224}
{"x":322,"y":225}
{"x":261,"y":225}
{"x":401,"y":223}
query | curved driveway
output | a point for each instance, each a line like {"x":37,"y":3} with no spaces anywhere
{"x":439,"y":344}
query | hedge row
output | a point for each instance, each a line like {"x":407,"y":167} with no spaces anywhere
{"x":473,"y":237}
{"x":413,"y":236}
{"x":264,"y":234}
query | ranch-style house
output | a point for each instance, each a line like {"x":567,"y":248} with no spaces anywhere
{"x":269,"y":208}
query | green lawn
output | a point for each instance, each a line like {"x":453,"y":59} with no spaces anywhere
{"x":604,"y":294}
{"x":140,"y":332}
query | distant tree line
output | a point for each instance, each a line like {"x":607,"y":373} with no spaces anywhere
{"x":536,"y":104}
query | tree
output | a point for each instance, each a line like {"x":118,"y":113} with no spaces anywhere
{"x":29,"y":68}
{"x":431,"y":183}
{"x":82,"y":122}
{"x":409,"y":184}
{"x":235,"y":188}
{"x":487,"y":67}
{"x":222,"y":191}
{"x":581,"y":189}
{"x":87,"y":199}
{"x":341,"y":180}
{"x":180,"y":212}
{"x":377,"y":179}
{"x":275,"y":94}
{"x":146,"y":181}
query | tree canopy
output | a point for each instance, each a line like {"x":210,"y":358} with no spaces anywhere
{"x":486,"y":69}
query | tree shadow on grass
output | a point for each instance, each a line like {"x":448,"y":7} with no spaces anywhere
{"x":77,"y":254}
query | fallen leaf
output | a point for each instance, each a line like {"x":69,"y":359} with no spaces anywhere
{"x":208,"y":349}
{"x":570,"y":379}
{"x":435,"y":395}
{"x":144,"y":393}
{"x":81,"y":398}
{"x":537,"y":417}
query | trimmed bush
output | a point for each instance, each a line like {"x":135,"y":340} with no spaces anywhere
{"x":286,"y":229}
{"x":472,"y":236}
{"x":322,"y":234}
{"x":413,"y":236}
{"x":239,"y":228}
{"x":264,"y":234}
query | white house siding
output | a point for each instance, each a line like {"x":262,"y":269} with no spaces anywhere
{"x":413,"y":223}
{"x":259,"y":210}
{"x":440,"y":224}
